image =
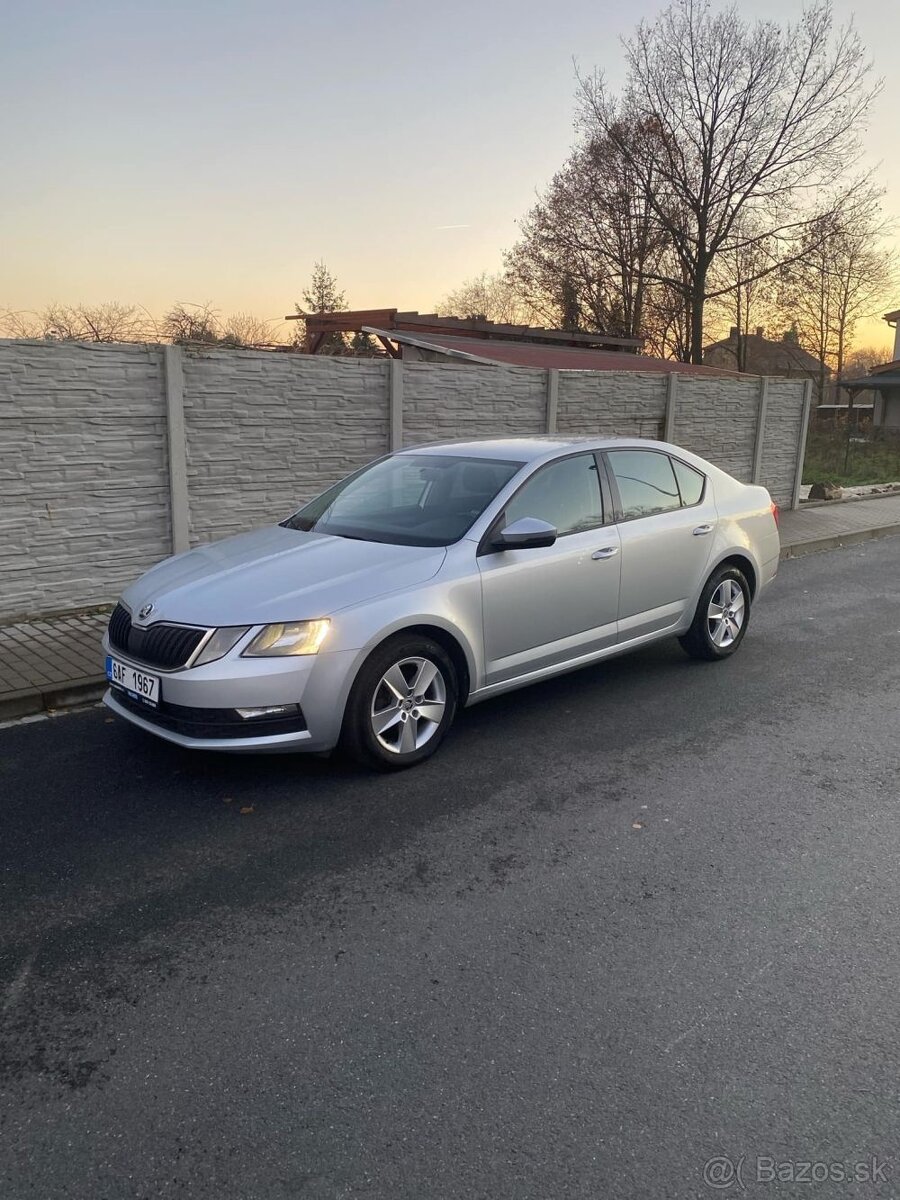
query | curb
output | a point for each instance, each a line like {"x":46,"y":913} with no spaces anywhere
{"x":833,"y":541}
{"x":28,"y":701}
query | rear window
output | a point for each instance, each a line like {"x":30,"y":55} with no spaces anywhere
{"x":646,"y":482}
{"x":690,"y":483}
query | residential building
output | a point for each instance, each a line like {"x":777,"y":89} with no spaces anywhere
{"x":882,"y":384}
{"x":756,"y":354}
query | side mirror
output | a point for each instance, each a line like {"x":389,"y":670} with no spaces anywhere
{"x":528,"y":533}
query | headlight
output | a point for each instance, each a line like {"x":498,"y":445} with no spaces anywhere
{"x":298,"y":637}
{"x":220,"y":643}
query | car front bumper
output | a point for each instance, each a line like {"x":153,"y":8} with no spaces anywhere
{"x":198,"y":706}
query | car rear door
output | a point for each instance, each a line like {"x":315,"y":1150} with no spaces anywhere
{"x":666,"y":520}
{"x":552,"y":604}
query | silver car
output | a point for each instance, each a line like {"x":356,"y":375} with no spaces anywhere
{"x":434,"y":578}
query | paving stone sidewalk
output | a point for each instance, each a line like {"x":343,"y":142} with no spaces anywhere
{"x":55,"y":662}
{"x":50,"y":663}
{"x":838,"y":523}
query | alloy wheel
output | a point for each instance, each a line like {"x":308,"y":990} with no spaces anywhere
{"x":408,"y":705}
{"x":725,"y":615}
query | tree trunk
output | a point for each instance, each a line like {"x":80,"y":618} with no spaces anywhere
{"x":695,"y":342}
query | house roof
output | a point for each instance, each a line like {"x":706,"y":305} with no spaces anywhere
{"x":771,"y":353}
{"x":533,"y":354}
{"x":871,"y":383}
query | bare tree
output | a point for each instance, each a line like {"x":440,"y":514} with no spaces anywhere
{"x":744,"y":277}
{"x":493,"y":297}
{"x":667,"y":322}
{"x":590,"y":243}
{"x":19,"y":324}
{"x":748,"y":122}
{"x":191,"y":323}
{"x":859,"y":362}
{"x":245,"y":329}
{"x":845,"y":272}
{"x":108,"y":322}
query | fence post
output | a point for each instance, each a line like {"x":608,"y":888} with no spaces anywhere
{"x":179,"y":500}
{"x":552,"y":399}
{"x":671,"y":400}
{"x":396,"y":404}
{"x":801,"y":442}
{"x":760,"y":429}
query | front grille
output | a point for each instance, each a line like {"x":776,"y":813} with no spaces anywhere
{"x":160,"y":645}
{"x":209,"y":722}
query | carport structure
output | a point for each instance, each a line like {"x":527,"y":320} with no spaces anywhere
{"x":884,"y":385}
{"x":383,"y":322}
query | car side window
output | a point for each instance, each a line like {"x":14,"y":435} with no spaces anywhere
{"x":646,"y":482}
{"x":690,"y":483}
{"x":565,"y":493}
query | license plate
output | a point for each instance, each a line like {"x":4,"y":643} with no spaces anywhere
{"x":136,"y":683}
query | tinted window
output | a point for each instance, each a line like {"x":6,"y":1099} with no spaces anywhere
{"x":566,"y":493}
{"x":410,"y":499}
{"x":690,"y":482}
{"x":646,"y":482}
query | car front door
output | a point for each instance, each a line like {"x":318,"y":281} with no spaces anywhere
{"x":666,"y":518}
{"x":548,"y":605}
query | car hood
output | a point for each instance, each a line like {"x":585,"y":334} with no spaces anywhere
{"x":277,"y":574}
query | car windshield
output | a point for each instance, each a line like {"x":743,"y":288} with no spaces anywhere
{"x":409,"y":499}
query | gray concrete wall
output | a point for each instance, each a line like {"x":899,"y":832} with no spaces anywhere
{"x":719,"y":423}
{"x":83,"y":472}
{"x":784,"y":427}
{"x":630,"y":404}
{"x":86,"y":478}
{"x":442,"y":401}
{"x":268,"y":431}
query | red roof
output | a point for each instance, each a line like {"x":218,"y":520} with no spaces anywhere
{"x":534,"y":354}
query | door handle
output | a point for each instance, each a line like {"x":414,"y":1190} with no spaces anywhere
{"x":606,"y":552}
{"x":702,"y":529}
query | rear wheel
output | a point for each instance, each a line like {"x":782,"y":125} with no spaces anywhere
{"x":722,"y":616}
{"x":401,"y":705}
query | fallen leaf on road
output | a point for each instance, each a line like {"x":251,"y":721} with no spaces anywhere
{"x":228,"y":800}
{"x":248,"y":808}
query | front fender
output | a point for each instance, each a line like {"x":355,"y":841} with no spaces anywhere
{"x":454,"y":608}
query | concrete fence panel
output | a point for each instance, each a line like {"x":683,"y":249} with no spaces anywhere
{"x":83,"y":472}
{"x":719,"y":423}
{"x":443,"y":401}
{"x":626,"y":404}
{"x":784,"y":438}
{"x":266,"y":432}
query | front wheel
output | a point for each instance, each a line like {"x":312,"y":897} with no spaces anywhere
{"x":401,"y":705}
{"x":722,"y":616}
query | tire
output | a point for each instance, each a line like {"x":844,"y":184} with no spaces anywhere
{"x":384,"y":727}
{"x":712,"y":637}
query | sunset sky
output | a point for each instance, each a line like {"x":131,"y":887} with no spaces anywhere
{"x":200,"y":151}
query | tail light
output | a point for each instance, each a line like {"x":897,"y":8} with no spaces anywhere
{"x":776,"y":513}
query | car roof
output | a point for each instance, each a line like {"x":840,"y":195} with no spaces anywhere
{"x":529,"y":449}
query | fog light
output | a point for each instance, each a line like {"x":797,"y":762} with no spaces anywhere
{"x":274,"y":710}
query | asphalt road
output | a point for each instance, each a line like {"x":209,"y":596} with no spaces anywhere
{"x":624,"y":923}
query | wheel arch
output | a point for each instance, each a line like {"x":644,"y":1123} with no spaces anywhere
{"x":744,"y":564}
{"x":449,"y":640}
{"x":453,"y":647}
